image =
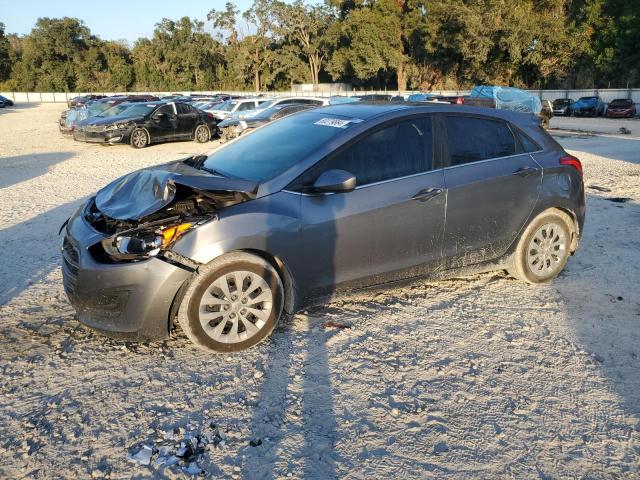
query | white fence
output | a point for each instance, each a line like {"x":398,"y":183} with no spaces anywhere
{"x":606,"y":94}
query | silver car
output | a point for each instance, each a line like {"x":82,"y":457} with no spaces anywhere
{"x":322,"y":201}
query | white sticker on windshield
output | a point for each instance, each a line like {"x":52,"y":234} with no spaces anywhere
{"x":334,"y":122}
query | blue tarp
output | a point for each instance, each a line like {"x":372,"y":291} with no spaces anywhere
{"x":509,"y":98}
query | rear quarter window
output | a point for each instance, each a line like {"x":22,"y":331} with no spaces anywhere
{"x":472,"y":139}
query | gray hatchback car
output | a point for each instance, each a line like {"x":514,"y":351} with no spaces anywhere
{"x":341,"y":197}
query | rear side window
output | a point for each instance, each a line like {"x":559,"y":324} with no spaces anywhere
{"x":398,"y":150}
{"x":246,"y":106}
{"x":527,"y":144}
{"x":472,"y":139}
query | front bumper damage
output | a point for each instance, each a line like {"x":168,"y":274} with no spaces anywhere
{"x":134,"y":298}
{"x":89,"y":135}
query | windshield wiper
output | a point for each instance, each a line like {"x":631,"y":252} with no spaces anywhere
{"x":213,"y":171}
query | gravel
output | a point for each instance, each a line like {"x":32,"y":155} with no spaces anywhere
{"x":489,"y":377}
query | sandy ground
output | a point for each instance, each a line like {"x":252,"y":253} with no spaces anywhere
{"x":476,"y":377}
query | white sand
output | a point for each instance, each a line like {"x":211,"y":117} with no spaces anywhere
{"x":470,"y":378}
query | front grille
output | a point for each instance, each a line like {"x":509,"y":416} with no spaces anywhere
{"x":70,"y":265}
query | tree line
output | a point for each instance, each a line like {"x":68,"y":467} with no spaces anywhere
{"x":372,"y":44}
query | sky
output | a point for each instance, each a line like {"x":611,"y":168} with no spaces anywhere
{"x":111,"y":19}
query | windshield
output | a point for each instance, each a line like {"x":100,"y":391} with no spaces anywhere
{"x":99,"y":107}
{"x":620,"y":103}
{"x":561,"y":102}
{"x":138,"y":110}
{"x":113,"y":111}
{"x":227,"y":106}
{"x":588,"y":99}
{"x":274,"y":148}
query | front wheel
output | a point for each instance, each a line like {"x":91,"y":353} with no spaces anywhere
{"x":543,"y":248}
{"x":232,"y":304}
{"x":139,"y":138}
{"x":202,"y":134}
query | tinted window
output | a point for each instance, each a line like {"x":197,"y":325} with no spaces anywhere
{"x":166,"y":109}
{"x":527,"y":144}
{"x":472,"y":139}
{"x":246,"y":106}
{"x":399,"y":150}
{"x":274,"y":148}
{"x":182,"y":108}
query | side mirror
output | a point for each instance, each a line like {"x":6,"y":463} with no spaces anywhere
{"x":159,"y":116}
{"x":335,"y":181}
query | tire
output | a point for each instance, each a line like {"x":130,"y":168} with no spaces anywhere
{"x":228,"y":323}
{"x":202,"y":134}
{"x":532,"y":265}
{"x":139,"y":138}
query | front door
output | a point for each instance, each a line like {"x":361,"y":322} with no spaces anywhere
{"x":164,"y":123}
{"x":492,"y":188}
{"x":392,"y":222}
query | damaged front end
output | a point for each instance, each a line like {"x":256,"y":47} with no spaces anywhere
{"x":118,"y":267}
{"x":145,"y":212}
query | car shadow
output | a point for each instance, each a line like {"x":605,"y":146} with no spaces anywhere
{"x":296,"y":396}
{"x":601,"y":296}
{"x":31,"y":250}
{"x":21,"y":168}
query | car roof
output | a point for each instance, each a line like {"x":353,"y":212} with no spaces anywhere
{"x":368,"y":110}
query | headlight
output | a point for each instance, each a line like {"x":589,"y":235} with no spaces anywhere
{"x":117,"y":126}
{"x":143,"y":243}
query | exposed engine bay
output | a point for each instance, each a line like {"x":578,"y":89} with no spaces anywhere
{"x":146,"y":211}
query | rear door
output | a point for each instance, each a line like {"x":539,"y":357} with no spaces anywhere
{"x":187,"y":117}
{"x":492,"y":187}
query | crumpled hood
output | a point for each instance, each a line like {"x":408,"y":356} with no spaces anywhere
{"x":146,"y":191}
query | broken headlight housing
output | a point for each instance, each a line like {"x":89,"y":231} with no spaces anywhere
{"x":144,"y":242}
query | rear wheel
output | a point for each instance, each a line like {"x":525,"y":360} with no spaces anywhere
{"x":232,"y":304}
{"x":139,"y":138}
{"x":202,"y":134}
{"x":543,"y":248}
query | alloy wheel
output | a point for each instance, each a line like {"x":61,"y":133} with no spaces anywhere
{"x":235,"y":307}
{"x":202,"y":134}
{"x":547,"y":250}
{"x":139,"y":138}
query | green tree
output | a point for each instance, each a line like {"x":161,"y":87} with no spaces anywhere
{"x":305,"y":33}
{"x":5,"y":55}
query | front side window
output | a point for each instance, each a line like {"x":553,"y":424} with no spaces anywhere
{"x":472,"y":139}
{"x":398,"y":150}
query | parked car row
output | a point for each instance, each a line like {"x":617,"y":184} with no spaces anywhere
{"x":594,"y":106}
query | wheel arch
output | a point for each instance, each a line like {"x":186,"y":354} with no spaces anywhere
{"x":290,"y":296}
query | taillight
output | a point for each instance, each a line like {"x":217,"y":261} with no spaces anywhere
{"x":572,"y":162}
{"x":459,"y":101}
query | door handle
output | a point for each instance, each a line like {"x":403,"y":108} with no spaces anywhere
{"x":426,"y":194}
{"x":525,"y":171}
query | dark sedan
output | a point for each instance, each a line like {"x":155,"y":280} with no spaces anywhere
{"x":319,"y":202}
{"x":5,"y":102}
{"x":144,"y":123}
{"x":621,"y":108}
{"x":231,"y":128}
